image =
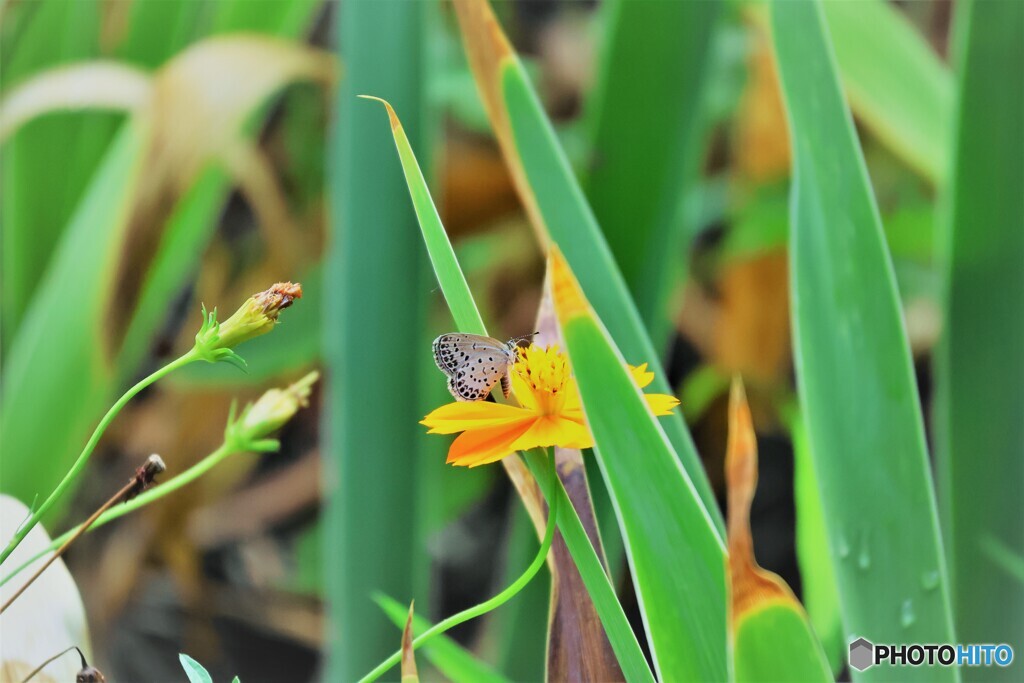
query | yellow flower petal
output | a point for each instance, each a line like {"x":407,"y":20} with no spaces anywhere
{"x":459,"y":416}
{"x":661,"y":404}
{"x":489,"y":443}
{"x":572,"y":397}
{"x":524,"y":393}
{"x":641,"y":375}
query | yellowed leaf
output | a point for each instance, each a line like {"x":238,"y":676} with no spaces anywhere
{"x":90,"y":85}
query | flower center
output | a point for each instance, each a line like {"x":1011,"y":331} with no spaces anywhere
{"x":546,"y":372}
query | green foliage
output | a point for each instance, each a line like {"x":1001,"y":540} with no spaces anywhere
{"x":774,"y":643}
{"x":684,"y":610}
{"x":451,"y":659}
{"x":374,"y":270}
{"x":647,"y":137}
{"x":981,"y":357}
{"x":854,"y":373}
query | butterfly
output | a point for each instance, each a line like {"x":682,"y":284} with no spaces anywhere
{"x":474,"y":364}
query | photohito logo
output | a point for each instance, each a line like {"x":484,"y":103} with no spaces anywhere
{"x":864,"y":654}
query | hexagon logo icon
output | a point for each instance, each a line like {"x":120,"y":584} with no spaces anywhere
{"x":862,"y":654}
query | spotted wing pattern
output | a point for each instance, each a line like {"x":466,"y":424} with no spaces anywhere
{"x":466,"y":385}
{"x":473,"y":364}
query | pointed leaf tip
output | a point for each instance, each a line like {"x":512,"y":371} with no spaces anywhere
{"x":395,"y":123}
{"x":568,"y":296}
{"x":409,"y":673}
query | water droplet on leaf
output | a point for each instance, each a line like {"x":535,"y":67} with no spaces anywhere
{"x":907,"y":616}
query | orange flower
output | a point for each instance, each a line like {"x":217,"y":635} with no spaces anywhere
{"x":549,"y":412}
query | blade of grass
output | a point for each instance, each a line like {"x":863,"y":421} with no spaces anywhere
{"x":980,"y":361}
{"x":660,"y":514}
{"x":558,"y":210}
{"x":375,"y":271}
{"x":647,"y":133}
{"x":853,"y":365}
{"x":467,"y":319}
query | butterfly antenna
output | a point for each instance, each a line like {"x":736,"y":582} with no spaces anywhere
{"x":525,"y":337}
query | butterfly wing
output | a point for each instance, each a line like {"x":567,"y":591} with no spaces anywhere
{"x":472,"y":384}
{"x":452,"y":351}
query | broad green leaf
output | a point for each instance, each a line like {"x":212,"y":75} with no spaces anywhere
{"x":647,"y":136}
{"x":451,"y":659}
{"x":772,"y":635}
{"x":979,"y":366}
{"x":467,"y":319}
{"x":195,"y":671}
{"x":374,"y":270}
{"x":558,"y":210}
{"x":896,"y":83}
{"x":662,"y":520}
{"x":853,"y":366}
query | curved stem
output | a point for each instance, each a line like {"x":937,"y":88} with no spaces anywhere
{"x":143,"y":499}
{"x":83,"y":458}
{"x":495,"y":602}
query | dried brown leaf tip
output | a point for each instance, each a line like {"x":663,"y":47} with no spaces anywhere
{"x":409,"y":673}
{"x":751,"y":585}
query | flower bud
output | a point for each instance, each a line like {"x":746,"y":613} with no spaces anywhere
{"x":269,"y":413}
{"x":258,"y":314}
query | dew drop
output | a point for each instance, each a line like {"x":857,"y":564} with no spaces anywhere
{"x":907,"y":616}
{"x":843,"y":547}
{"x":864,"y":556}
{"x":930,"y":580}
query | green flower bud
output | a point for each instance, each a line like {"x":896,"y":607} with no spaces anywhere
{"x":256,"y":316}
{"x":268,"y":414}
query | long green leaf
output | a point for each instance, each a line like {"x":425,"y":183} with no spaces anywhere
{"x":467,"y":319}
{"x":660,"y":514}
{"x":560,"y":212}
{"x":374,"y":272}
{"x":980,"y":362}
{"x":853,"y":366}
{"x":37,"y":202}
{"x":647,"y":129}
{"x":897,"y":84}
{"x":46,"y":378}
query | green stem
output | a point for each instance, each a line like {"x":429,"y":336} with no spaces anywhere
{"x":79,"y":465}
{"x":499,"y":599}
{"x":153,"y":494}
